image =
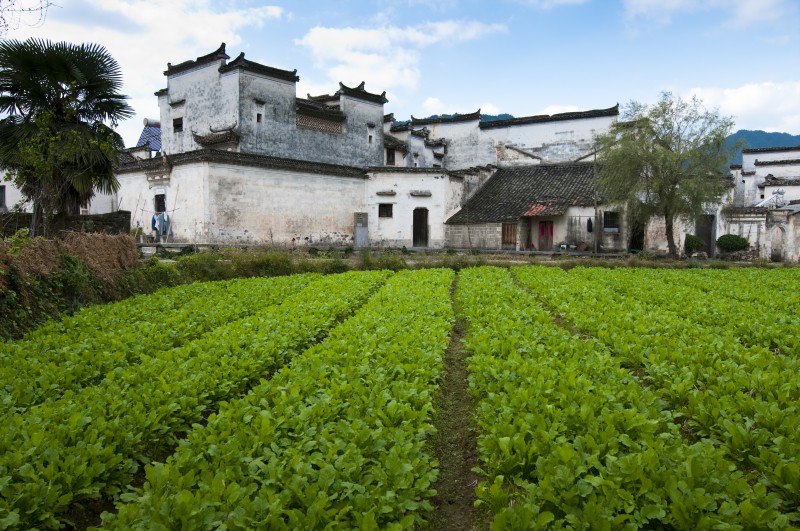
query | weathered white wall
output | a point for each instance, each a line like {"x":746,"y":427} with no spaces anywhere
{"x":234,"y":99}
{"x":752,"y":175}
{"x":788,"y":170}
{"x":100,"y":204}
{"x":186,"y":194}
{"x":790,"y":192}
{"x":655,"y":234}
{"x":103,"y":203}
{"x":276,"y":133}
{"x":397,"y":231}
{"x":553,"y":141}
{"x":751,"y":227}
{"x":13,"y":195}
{"x":223,"y":203}
{"x":282,"y":207}
{"x":211,"y":100}
{"x":466,"y":145}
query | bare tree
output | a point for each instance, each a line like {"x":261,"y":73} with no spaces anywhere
{"x":14,"y":13}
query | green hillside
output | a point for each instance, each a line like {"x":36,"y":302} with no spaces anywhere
{"x":760,"y":139}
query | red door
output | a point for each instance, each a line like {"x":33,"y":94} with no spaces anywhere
{"x":545,"y":235}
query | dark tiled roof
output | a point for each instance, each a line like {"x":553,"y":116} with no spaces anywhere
{"x":249,"y":66}
{"x":388,"y":117}
{"x":512,"y":193}
{"x":436,"y":142}
{"x":771,"y":149}
{"x":744,"y":211}
{"x":748,"y":173}
{"x":403,"y":126}
{"x":323,"y":97}
{"x":216,"y":137}
{"x":161,"y":92}
{"x":394,"y":143}
{"x":780,"y":181}
{"x":151,"y":136}
{"x":319,"y":110}
{"x":785,"y":162}
{"x":242,"y":159}
{"x":125,"y":158}
{"x":361,"y":94}
{"x":403,"y":169}
{"x":447,"y":119}
{"x":541,"y":118}
{"x":216,"y":55}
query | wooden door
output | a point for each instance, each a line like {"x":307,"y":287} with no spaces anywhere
{"x":705,"y":231}
{"x":545,"y":235}
{"x":420,"y":229}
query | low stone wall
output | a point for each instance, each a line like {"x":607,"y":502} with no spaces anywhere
{"x":478,"y":236}
{"x":118,"y":222}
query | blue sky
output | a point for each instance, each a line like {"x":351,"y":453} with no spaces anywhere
{"x":522,"y":57}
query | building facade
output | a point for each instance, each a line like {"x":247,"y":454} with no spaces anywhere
{"x":239,"y":158}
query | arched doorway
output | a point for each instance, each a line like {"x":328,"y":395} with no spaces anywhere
{"x":420,"y":228}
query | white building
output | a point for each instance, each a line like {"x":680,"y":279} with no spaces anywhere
{"x":765,"y":205}
{"x":243,"y":160}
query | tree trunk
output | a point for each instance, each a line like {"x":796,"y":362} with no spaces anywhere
{"x":673,"y":251}
{"x":36,"y":216}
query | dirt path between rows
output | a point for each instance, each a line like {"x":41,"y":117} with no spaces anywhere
{"x":456,"y":445}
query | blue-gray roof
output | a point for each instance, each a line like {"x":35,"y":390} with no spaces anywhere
{"x":151,"y":136}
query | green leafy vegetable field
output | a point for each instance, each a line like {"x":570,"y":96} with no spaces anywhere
{"x":603,"y":399}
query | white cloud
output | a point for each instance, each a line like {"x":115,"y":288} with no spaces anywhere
{"x":767,"y":106}
{"x":433,"y":105}
{"x":740,"y":12}
{"x":161,"y":32}
{"x":386,"y":57}
{"x":549,"y":4}
{"x":558,"y":109}
{"x":490,"y":108}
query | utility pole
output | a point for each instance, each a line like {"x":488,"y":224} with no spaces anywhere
{"x":597,"y":225}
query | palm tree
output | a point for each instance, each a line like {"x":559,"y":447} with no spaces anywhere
{"x":62,"y":101}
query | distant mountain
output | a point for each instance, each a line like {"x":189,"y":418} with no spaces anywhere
{"x":760,"y":139}
{"x":495,"y":117}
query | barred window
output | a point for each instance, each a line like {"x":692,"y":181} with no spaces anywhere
{"x":385,"y":210}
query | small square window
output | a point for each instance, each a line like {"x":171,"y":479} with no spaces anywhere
{"x":258,"y":118}
{"x":161,"y":203}
{"x":385,"y":210}
{"x":610,"y":221}
{"x":177,"y":125}
{"x":370,"y":139}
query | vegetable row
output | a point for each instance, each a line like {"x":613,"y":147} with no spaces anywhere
{"x":715,"y":302}
{"x":80,"y":350}
{"x":744,"y":399}
{"x":90,"y":443}
{"x":570,"y":439}
{"x":335,"y":440}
